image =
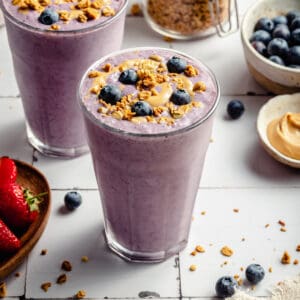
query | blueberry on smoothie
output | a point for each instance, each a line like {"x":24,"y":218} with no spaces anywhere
{"x":176,"y":65}
{"x":278,"y":47}
{"x":48,"y":17}
{"x":180,"y":97}
{"x":128,"y":77}
{"x":280,"y":20}
{"x":110,"y":94}
{"x":255,"y":273}
{"x":277,"y":60}
{"x":225,"y":286}
{"x":72,"y":200}
{"x":261,"y":36}
{"x":264,"y":24}
{"x":142,"y":108}
{"x":235,"y":108}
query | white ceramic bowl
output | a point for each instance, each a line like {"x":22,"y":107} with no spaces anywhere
{"x":275,"y":108}
{"x":273,"y":77}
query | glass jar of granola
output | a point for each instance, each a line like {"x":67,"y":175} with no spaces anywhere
{"x":188,"y":19}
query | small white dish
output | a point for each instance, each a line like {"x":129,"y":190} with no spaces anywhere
{"x":276,"y":108}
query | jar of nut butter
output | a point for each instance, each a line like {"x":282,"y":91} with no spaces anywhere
{"x":189,"y":19}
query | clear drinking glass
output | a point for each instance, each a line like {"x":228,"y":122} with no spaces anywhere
{"x":48,"y":66}
{"x":148,"y":182}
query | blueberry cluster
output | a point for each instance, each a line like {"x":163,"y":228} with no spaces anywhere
{"x":112,"y":93}
{"x":226,"y":285}
{"x":278,"y":39}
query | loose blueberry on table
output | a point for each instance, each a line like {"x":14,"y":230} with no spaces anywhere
{"x":235,"y":108}
{"x":225,"y":286}
{"x":255,"y":273}
{"x":278,"y":39}
{"x":72,"y":200}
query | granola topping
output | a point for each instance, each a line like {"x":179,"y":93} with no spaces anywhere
{"x":226,"y":251}
{"x":155,"y":85}
{"x":3,"y":289}
{"x":80,"y":11}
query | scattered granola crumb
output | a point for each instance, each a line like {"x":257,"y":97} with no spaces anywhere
{"x":236,"y":210}
{"x":243,"y":239}
{"x":200,"y":249}
{"x":267,"y":225}
{"x":282,"y":223}
{"x":283,"y":229}
{"x":296,"y":262}
{"x":66,"y":266}
{"x":203,"y":213}
{"x":286,"y":258}
{"x":3,"y":289}
{"x":84,"y":258}
{"x":270,"y":270}
{"x":236,"y":276}
{"x":45,"y":286}
{"x":80,"y":294}
{"x":240,"y":282}
{"x":193,"y":268}
{"x":135,"y":10}
{"x":225,"y":262}
{"x":211,"y":140}
{"x":298,"y":248}
{"x":18,"y":274}
{"x":211,"y":244}
{"x":61,"y":279}
{"x":242,"y":269}
{"x":226,"y":251}
{"x":168,"y":39}
{"x":194,"y":253}
{"x":253,"y":287}
{"x":44,"y":251}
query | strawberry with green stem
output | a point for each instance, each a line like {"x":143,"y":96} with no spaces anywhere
{"x":18,"y":207}
{"x":9,"y":243}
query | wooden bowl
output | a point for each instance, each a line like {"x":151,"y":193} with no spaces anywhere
{"x":275,"y":108}
{"x":29,"y":177}
{"x":273,"y":77}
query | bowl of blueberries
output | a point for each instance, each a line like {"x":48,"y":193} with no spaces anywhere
{"x":271,"y":40}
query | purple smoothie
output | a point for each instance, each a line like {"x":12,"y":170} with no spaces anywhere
{"x":148,"y":173}
{"x":49,"y":63}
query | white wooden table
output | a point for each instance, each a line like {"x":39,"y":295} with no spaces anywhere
{"x":238,"y":174}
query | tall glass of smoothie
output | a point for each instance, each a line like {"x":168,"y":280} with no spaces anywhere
{"x":149,"y":116}
{"x":52,"y":44}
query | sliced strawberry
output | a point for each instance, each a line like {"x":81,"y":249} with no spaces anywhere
{"x":9,"y":243}
{"x":18,"y":208}
{"x":8,"y":171}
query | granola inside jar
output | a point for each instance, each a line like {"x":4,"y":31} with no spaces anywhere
{"x":187,"y":19}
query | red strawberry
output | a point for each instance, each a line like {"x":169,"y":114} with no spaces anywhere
{"x":8,"y":171}
{"x":18,"y":208}
{"x":8,"y":241}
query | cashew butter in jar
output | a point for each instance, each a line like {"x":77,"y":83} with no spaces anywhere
{"x":189,"y":19}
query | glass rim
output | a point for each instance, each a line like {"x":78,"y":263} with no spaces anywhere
{"x":58,"y":32}
{"x":99,"y":123}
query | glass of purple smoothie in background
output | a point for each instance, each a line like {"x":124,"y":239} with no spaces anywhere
{"x":49,"y":62}
{"x":148,"y":168}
